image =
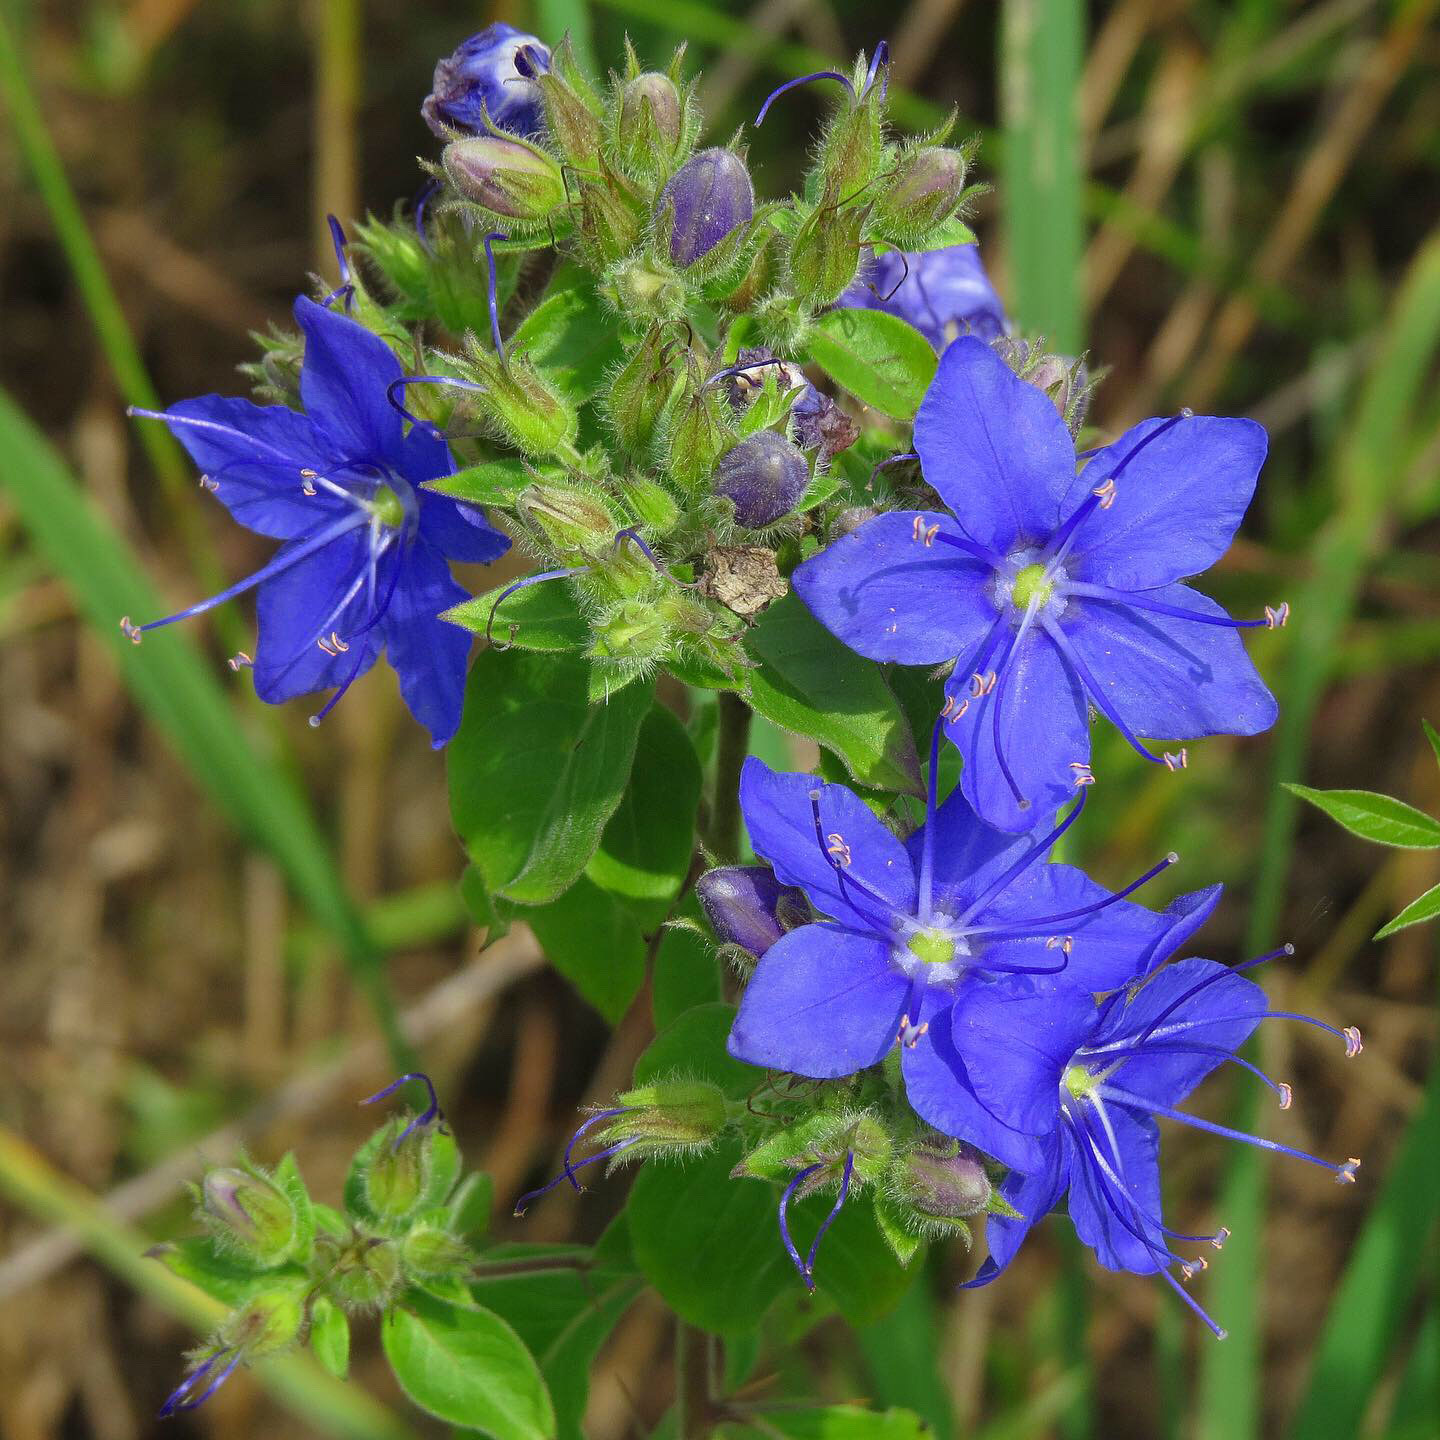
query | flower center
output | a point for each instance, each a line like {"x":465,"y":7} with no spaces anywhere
{"x":932,"y":947}
{"x":388,"y":508}
{"x":1032,"y":588}
{"x":1078,"y":1081}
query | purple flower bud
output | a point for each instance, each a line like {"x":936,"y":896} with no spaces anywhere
{"x":947,"y":1186}
{"x":651,"y":121}
{"x":943,"y":293}
{"x":505,"y":176}
{"x":706,"y":199}
{"x":747,"y":906}
{"x":492,"y":74}
{"x":925,"y":190}
{"x":247,"y":1210}
{"x":764,"y":477}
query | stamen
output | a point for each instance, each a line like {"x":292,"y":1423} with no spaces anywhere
{"x":308,"y":475}
{"x":1105,"y":494}
{"x":1041,"y":923}
{"x":208,"y":482}
{"x":318,"y":718}
{"x":881,"y":57}
{"x":1221,"y":1236}
{"x":589,"y":1124}
{"x":490,"y":289}
{"x":1180,"y":761}
{"x":795,"y":84}
{"x":1279,"y":617}
{"x":838,"y":866}
{"x":784,"y":1216}
{"x":972,"y":548}
{"x":883,"y":464}
{"x":927,"y":844}
{"x":131,"y":631}
{"x":1353,"y":1043}
{"x":1212,"y":979}
{"x":909,"y":1035}
{"x":1273,"y":617}
{"x":426,"y":425}
{"x":240,"y":661}
{"x":1081,"y":774}
{"x":1287,"y":1095}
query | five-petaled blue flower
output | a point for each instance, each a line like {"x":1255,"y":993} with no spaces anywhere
{"x":1053,"y":590}
{"x":1135,"y":1057}
{"x":944,"y":294}
{"x":365,"y":564}
{"x":956,"y":943}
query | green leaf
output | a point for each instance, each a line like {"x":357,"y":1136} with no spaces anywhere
{"x":647,"y":846}
{"x":330,"y":1336}
{"x":877,"y":357}
{"x":287,"y":1177}
{"x":595,"y":942}
{"x":537,"y":770}
{"x":832,"y":1422}
{"x":570,"y":337}
{"x":694,"y":1046}
{"x":809,"y":683}
{"x":1434,"y":738}
{"x":686,"y":972}
{"x":200,"y":1260}
{"x":855,"y":1265}
{"x":543,"y":617}
{"x":953,"y":232}
{"x":494,"y":482}
{"x":709,"y":1244}
{"x":468,"y":1367}
{"x":1375,"y":817}
{"x":1427,"y":907}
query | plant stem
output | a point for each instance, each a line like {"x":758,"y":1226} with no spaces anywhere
{"x":693,"y":1382}
{"x":732,"y":746}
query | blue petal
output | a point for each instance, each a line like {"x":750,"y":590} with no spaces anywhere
{"x":781,"y":823}
{"x":1044,"y":728}
{"x":458,"y":531}
{"x":254,"y":456}
{"x":343,"y":383}
{"x":428,"y":653}
{"x":822,"y":1003}
{"x":995,"y":449}
{"x":1223,"y":1014}
{"x":1169,"y":678}
{"x":1095,"y":1200}
{"x":938,"y":1086}
{"x":1182,"y":917}
{"x":1017,"y":1043}
{"x":1034,"y":1196}
{"x":969,"y":855}
{"x":1111,"y":946}
{"x":308,"y":603}
{"x":890,"y":596}
{"x":1176,"y":506}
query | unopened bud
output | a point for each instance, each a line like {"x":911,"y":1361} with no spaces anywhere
{"x":923,"y":193}
{"x":645,"y":289}
{"x":651,"y":124}
{"x":825,"y":253}
{"x":764,"y":477}
{"x":265,"y":1325}
{"x":490,"y":77}
{"x":507,"y":177}
{"x":519,"y":404}
{"x":397,"y":1176}
{"x":1064,"y":379}
{"x":698,"y":432}
{"x":364,"y":1273}
{"x":428,"y":1250}
{"x":649,"y":502}
{"x":942,"y":1185}
{"x":571,"y":519}
{"x":704,"y":204}
{"x":639,"y":393}
{"x":747,"y":906}
{"x":249,"y":1211}
{"x":631,"y":632}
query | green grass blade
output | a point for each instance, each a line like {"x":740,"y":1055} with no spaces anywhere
{"x":1365,"y":473}
{"x":1371,"y":1309}
{"x":1042,"y":49}
{"x":178,"y":691}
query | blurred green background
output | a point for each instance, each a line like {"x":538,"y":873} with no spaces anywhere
{"x":209,"y":915}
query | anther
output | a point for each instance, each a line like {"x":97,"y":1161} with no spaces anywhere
{"x":959,"y":710}
{"x":837,"y":847}
{"x":209,"y":483}
{"x":930,"y":535}
{"x":130,"y":631}
{"x":982,"y":684}
{"x":306,"y":476}
{"x":1353,"y":1043}
{"x":328,"y":648}
{"x":1105,"y":494}
{"x":239,"y":661}
{"x":1345,"y":1175}
{"x":1277,"y":616}
{"x":1220,"y":1237}
{"x":917,"y":531}
{"x":909,"y":1035}
{"x":1083,"y":774}
{"x":1173,"y":761}
{"x":340,"y":646}
{"x":1286,"y":1095}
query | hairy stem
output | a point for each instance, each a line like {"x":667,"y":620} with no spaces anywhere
{"x":732,"y":747}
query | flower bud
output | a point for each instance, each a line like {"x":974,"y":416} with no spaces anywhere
{"x":248,"y":1210}
{"x":645,"y":289}
{"x":491,"y":76}
{"x":747,"y":906}
{"x":649,"y":502}
{"x":1065,"y":380}
{"x":507,"y":177}
{"x":519,"y":404}
{"x":668,"y":1116}
{"x":924,"y":191}
{"x":944,"y":1184}
{"x":632,"y":633}
{"x":363,"y":1272}
{"x":699,"y":430}
{"x":397,"y":1176}
{"x":265,"y":1325}
{"x":639,"y":393}
{"x":825,"y":253}
{"x":650,"y":124}
{"x":816,"y":421}
{"x":764,"y":477}
{"x":428,"y":1250}
{"x":572,"y":519}
{"x":706,"y":202}
{"x":611,"y":218}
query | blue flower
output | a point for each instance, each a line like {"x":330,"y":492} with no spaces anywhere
{"x":943,"y":293}
{"x":956,"y":943}
{"x":491,"y":76}
{"x":364,"y":567}
{"x":1140,"y":1053}
{"x":1052,"y":590}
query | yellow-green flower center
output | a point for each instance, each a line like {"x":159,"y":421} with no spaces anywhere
{"x":932,"y":947}
{"x":1032,"y":588}
{"x":388,"y":507}
{"x":1078,"y":1081}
